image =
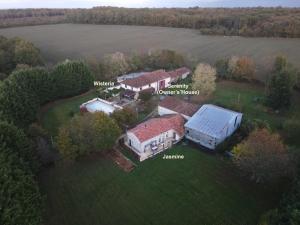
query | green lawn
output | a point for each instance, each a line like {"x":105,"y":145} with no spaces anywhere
{"x":228,"y":93}
{"x":60,"y":112}
{"x":201,"y":189}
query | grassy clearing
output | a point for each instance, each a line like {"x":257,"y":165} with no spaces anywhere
{"x":55,"y":114}
{"x":201,"y":189}
{"x":241,"y":96}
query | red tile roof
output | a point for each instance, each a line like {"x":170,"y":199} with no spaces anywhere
{"x":179,"y":72}
{"x":154,"y":127}
{"x":179,"y":106}
{"x":147,"y":78}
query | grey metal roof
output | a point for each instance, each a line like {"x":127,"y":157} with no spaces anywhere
{"x":211,"y":120}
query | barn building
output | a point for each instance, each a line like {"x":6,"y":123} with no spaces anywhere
{"x":211,"y":125}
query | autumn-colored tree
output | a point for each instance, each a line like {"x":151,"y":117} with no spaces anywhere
{"x":115,"y":65}
{"x":241,"y":68}
{"x":204,"y":79}
{"x":253,"y":22}
{"x":245,"y":69}
{"x":26,"y":53}
{"x":263,"y":156}
{"x":87,"y":133}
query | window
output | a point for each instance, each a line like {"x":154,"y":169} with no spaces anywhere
{"x":187,"y":131}
{"x":140,"y":89}
{"x":166,"y":134}
{"x":129,"y":141}
{"x":125,"y":86}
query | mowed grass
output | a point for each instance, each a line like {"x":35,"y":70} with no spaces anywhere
{"x":242,"y":97}
{"x":73,"y":41}
{"x":56,"y":114}
{"x":200,"y":189}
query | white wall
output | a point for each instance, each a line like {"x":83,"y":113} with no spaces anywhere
{"x":164,"y":111}
{"x":135,"y":143}
{"x":154,"y":85}
{"x":139,"y":148}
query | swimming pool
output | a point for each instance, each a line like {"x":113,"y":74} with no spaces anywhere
{"x":100,"y":105}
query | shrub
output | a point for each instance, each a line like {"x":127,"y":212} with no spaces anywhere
{"x":145,"y":96}
{"x":292,"y":131}
{"x":222,"y":68}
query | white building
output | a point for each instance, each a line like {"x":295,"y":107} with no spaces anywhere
{"x":155,"y":135}
{"x":156,"y":80}
{"x":211,"y":125}
{"x":180,"y":73}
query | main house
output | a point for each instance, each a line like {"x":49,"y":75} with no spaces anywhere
{"x":155,"y":135}
{"x":211,"y":125}
{"x":156,"y":80}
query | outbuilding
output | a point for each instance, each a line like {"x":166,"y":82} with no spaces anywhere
{"x":174,"y":105}
{"x":211,"y":125}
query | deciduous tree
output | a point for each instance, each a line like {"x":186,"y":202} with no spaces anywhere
{"x":204,"y":79}
{"x":115,"y":65}
{"x":280,"y":85}
{"x":125,"y":117}
{"x":241,"y":68}
{"x":87,"y":133}
{"x":263,"y":157}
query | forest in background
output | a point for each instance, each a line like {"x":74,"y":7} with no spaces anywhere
{"x":248,"y":22}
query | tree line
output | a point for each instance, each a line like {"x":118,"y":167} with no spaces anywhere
{"x":21,"y":95}
{"x":116,"y":64}
{"x":251,"y":22}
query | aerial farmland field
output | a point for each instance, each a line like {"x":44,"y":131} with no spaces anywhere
{"x":61,"y":41}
